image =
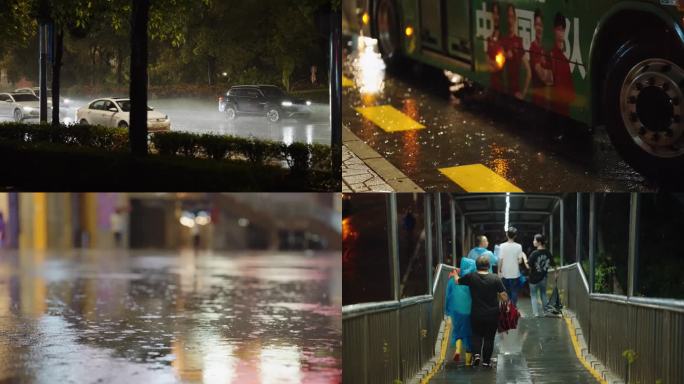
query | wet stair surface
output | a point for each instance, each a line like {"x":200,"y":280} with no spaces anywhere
{"x":539,"y":351}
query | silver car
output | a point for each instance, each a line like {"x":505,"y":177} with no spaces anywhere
{"x":20,"y":106}
{"x":65,"y":104}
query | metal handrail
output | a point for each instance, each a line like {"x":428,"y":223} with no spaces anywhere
{"x":392,"y":340}
{"x":354,"y":310}
{"x":439,"y":270}
{"x":648,"y":302}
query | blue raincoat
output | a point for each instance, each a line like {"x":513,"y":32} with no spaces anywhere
{"x":458,"y":303}
{"x":479,"y":251}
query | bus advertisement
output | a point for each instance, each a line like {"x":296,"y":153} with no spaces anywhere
{"x":611,"y":63}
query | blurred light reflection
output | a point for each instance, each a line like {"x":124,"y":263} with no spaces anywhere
{"x":280,"y":364}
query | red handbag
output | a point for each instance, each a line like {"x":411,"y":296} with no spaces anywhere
{"x":508,"y":316}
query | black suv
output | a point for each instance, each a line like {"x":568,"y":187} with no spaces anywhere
{"x":265,"y":100}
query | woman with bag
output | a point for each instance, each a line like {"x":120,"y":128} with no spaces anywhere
{"x":540,"y":261}
{"x":487,"y":291}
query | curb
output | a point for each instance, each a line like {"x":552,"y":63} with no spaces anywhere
{"x":378,"y":164}
{"x":436,"y":363}
{"x":602,"y":374}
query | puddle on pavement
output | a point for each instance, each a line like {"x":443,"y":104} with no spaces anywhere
{"x":121,"y":318}
{"x":530,"y":148}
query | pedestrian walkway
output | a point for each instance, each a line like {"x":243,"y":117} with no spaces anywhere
{"x":395,"y":120}
{"x":539,"y":351}
{"x":365,"y":170}
{"x":358,"y":177}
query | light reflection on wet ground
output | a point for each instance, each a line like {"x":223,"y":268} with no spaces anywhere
{"x":202,"y":116}
{"x":531,"y":148}
{"x":157,"y":318}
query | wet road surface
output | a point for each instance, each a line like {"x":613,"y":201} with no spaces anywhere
{"x":202,"y":116}
{"x":125,"y":317}
{"x":539,"y":351}
{"x":534,"y":150}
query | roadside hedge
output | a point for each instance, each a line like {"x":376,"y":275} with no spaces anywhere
{"x":58,"y":167}
{"x":111,"y":139}
{"x":299,"y":157}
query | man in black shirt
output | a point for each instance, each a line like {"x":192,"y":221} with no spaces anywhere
{"x":540,"y":261}
{"x":486,"y":290}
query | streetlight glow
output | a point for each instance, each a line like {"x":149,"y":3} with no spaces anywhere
{"x":508,"y":209}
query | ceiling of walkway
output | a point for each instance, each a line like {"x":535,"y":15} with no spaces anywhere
{"x":486,"y":213}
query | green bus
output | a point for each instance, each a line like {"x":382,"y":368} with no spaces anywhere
{"x":612,"y":63}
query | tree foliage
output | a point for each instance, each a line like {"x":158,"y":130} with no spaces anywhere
{"x":192,"y":41}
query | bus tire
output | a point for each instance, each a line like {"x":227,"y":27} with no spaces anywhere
{"x":386,"y":29}
{"x":644,"y":96}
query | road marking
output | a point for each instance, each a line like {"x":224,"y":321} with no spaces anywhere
{"x":347,"y":82}
{"x":389,"y":118}
{"x":575,"y":345}
{"x":478,"y":178}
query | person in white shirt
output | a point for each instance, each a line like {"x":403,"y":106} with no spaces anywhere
{"x":510,"y":257}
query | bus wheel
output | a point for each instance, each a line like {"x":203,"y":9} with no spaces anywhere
{"x":644,"y":96}
{"x":386,"y":27}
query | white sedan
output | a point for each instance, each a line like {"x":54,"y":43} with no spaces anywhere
{"x":19,"y":106}
{"x":114,"y":112}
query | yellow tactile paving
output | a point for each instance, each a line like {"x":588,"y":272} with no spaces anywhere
{"x":389,"y":118}
{"x":478,"y":178}
{"x":576,"y":347}
{"x":347,"y":82}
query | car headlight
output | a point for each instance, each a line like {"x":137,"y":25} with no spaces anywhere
{"x":308,"y":103}
{"x":286,"y":103}
{"x":27,"y":109}
{"x":67,"y":101}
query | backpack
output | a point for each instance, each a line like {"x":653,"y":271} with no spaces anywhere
{"x":508,"y":316}
{"x":554,"y":305}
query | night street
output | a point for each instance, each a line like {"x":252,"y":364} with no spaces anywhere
{"x":158,"y":95}
{"x":201,"y":116}
{"x":523,"y":145}
{"x":170,"y":288}
{"x":159,"y":317}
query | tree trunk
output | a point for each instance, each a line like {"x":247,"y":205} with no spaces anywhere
{"x":140,"y":15}
{"x":119,"y":66}
{"x":211,"y":69}
{"x":56,"y":75}
{"x":93,"y":70}
{"x":336,"y":92}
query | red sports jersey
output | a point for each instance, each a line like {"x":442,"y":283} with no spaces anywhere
{"x":513,"y":48}
{"x":538,"y":87}
{"x":563,"y":92}
{"x":493,"y":48}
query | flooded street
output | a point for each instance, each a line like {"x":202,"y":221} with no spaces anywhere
{"x":411,"y":119}
{"x":166,"y":317}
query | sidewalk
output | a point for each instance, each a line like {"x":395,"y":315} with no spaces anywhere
{"x":365,"y":170}
{"x":539,"y":351}
{"x":357,"y":177}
